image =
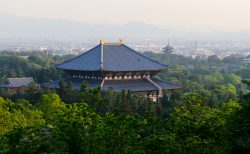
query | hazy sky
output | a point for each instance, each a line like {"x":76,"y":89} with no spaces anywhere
{"x":228,"y":15}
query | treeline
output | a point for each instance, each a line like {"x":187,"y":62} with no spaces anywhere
{"x":210,"y":114}
{"x":103,"y":101}
{"x":51,"y":126}
{"x":202,"y":76}
{"x":36,"y":65}
{"x":217,"y":79}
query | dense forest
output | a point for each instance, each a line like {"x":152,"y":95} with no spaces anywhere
{"x":210,"y":114}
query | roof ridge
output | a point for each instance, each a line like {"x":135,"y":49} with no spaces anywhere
{"x":112,"y":43}
{"x":101,"y":64}
{"x":156,"y":85}
{"x":175,"y":84}
{"x":153,"y":83}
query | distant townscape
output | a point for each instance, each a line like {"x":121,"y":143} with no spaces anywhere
{"x":188,"y":48}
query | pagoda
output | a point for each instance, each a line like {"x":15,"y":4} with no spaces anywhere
{"x":118,"y":67}
{"x":168,"y":49}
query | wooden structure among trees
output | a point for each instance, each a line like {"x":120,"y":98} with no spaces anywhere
{"x":116,"y":66}
{"x":17,"y":84}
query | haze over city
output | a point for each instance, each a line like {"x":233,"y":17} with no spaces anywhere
{"x":210,"y":26}
{"x":191,"y":15}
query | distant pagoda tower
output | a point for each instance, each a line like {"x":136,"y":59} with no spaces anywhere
{"x":116,"y":66}
{"x":168,"y":48}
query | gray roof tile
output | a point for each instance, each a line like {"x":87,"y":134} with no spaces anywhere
{"x":116,"y":57}
{"x":88,"y":61}
{"x":131,"y":85}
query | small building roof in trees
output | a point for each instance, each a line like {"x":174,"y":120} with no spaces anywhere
{"x":18,"y":82}
{"x":111,"y":57}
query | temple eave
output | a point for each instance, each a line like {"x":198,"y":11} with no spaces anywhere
{"x":134,"y":85}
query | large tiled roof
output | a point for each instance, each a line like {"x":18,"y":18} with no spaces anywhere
{"x":111,"y":57}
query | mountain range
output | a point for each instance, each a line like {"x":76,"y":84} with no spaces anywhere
{"x":28,"y":27}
